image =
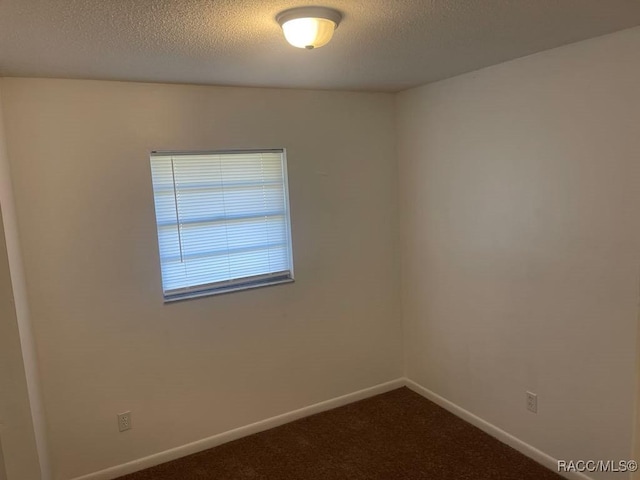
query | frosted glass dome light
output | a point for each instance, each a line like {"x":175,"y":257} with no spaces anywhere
{"x":309,"y":27}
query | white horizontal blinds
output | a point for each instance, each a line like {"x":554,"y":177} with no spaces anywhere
{"x":222,"y":219}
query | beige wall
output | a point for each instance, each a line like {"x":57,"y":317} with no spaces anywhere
{"x":3,"y":470}
{"x":520,"y":240}
{"x":79,"y":154}
{"x":18,"y":437}
{"x":519,"y":232}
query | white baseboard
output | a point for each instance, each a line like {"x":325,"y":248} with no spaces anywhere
{"x":206,"y":443}
{"x":515,"y":443}
{"x":215,"y":440}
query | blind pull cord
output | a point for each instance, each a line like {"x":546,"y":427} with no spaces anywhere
{"x":175,"y":201}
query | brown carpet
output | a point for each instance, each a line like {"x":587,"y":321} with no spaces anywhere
{"x":396,"y":435}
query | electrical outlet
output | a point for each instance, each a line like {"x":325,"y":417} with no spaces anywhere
{"x":532,"y":402}
{"x":124,"y":421}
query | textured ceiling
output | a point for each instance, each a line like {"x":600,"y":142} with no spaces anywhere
{"x":384,"y":45}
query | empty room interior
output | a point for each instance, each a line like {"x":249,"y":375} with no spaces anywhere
{"x":319,"y":239}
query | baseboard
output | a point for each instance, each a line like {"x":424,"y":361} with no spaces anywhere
{"x":515,"y":443}
{"x":200,"y":445}
{"x":215,"y":440}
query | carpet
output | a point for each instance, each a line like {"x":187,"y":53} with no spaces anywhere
{"x":397,"y":435}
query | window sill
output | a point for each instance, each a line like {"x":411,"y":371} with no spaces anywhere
{"x":222,"y":291}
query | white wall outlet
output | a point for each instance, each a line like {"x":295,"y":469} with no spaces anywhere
{"x":532,"y":402}
{"x":124,"y":421}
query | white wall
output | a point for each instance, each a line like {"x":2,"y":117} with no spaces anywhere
{"x":21,"y":428}
{"x":520,"y":240}
{"x":107,"y":343}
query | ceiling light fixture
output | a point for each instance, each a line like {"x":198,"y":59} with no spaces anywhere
{"x":309,"y":27}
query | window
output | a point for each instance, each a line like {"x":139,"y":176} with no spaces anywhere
{"x":223,"y":221}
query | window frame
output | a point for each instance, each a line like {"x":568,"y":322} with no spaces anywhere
{"x":241,"y":283}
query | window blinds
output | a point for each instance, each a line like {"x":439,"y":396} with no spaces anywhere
{"x":223,"y":220}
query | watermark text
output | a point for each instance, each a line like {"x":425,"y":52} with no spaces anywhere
{"x":591,"y":466}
